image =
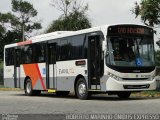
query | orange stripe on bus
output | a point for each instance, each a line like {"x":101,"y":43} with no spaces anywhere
{"x":25,"y":42}
{"x":32,"y":70}
{"x":40,"y":77}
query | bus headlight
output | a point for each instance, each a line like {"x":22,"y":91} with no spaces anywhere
{"x":114,"y":76}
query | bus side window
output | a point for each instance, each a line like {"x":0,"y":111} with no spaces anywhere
{"x":9,"y":56}
{"x":58,"y":51}
{"x":85,"y":47}
{"x":77,"y":46}
{"x":27,"y":52}
{"x":39,"y":52}
{"x":63,"y":50}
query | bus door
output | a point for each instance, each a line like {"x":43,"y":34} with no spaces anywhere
{"x":94,"y":59}
{"x":17,"y":68}
{"x":51,"y":65}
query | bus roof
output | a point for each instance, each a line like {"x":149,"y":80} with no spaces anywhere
{"x":61,"y":34}
{"x":52,"y":36}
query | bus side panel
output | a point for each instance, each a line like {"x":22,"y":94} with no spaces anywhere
{"x":67,"y":71}
{"x":103,"y":83}
{"x":37,"y":74}
{"x":22,"y":77}
{"x":41,"y":83}
{"x":9,"y":76}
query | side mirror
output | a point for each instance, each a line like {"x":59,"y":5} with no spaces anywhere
{"x":107,"y":53}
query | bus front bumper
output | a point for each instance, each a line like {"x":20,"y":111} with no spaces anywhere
{"x":128,"y":85}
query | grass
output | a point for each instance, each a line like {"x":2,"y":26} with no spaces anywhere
{"x":147,"y":94}
{"x":3,"y":88}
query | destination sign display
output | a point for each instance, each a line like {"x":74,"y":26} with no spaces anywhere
{"x":130,"y":30}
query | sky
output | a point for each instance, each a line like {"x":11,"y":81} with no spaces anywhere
{"x":100,"y":12}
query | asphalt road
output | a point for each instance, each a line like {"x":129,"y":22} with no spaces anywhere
{"x":15,"y":102}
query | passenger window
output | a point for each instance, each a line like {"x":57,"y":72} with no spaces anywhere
{"x":9,"y":56}
{"x":40,"y":52}
{"x":77,"y":47}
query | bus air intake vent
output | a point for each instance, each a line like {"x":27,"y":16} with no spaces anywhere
{"x":135,"y":78}
{"x":136,"y":86}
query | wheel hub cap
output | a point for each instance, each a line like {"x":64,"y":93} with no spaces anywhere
{"x":29,"y":87}
{"x":82,"y":89}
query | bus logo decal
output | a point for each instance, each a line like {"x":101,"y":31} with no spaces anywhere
{"x":44,"y":71}
{"x":66,"y":71}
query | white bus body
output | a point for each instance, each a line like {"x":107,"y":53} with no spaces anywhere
{"x":84,"y":62}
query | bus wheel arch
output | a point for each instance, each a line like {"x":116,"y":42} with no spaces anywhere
{"x":76,"y":80}
{"x":25,"y":80}
{"x":28,"y":87}
{"x":80,"y":82}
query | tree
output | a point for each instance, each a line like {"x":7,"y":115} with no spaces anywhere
{"x":149,"y":10}
{"x":16,"y":25}
{"x":75,"y":21}
{"x":62,"y":5}
{"x":21,"y":18}
{"x":73,"y":17}
{"x":69,"y":6}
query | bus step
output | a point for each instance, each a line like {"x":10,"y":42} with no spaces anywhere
{"x":51,"y":91}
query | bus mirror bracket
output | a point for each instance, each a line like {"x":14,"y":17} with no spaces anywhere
{"x":104,"y":48}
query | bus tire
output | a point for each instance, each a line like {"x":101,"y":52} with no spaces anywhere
{"x":124,"y":95}
{"x":82,"y":89}
{"x":28,"y":88}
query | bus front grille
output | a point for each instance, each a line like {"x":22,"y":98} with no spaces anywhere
{"x":136,"y":86}
{"x":135,"y":78}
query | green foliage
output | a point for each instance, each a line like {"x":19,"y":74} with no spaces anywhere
{"x":15,"y":24}
{"x":149,"y":10}
{"x":75,"y":21}
{"x":24,"y":8}
{"x":21,"y":19}
{"x":8,"y":38}
{"x":73,"y":18}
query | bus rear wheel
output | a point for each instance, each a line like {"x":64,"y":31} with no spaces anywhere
{"x":124,"y":95}
{"x":82,"y":90}
{"x":28,"y":89}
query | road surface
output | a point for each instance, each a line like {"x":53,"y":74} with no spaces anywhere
{"x":15,"y":102}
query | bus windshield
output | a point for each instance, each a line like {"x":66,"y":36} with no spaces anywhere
{"x":130,"y":51}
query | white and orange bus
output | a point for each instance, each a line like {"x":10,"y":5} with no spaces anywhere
{"x":115,"y":59}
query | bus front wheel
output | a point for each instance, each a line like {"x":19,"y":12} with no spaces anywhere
{"x":82,"y":90}
{"x":124,"y":95}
